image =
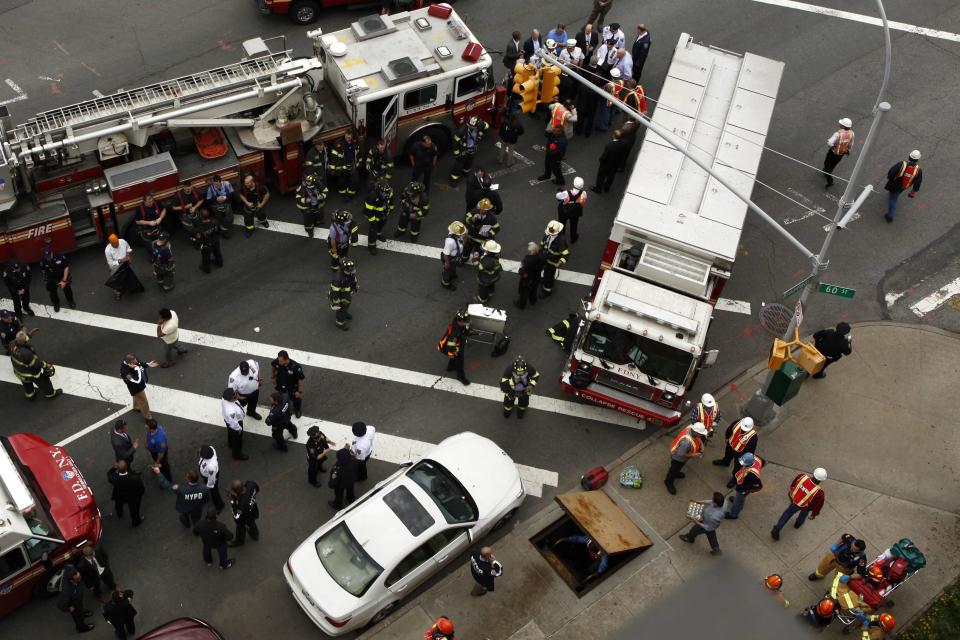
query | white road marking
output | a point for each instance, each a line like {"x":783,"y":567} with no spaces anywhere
{"x":856,"y":17}
{"x":792,"y":219}
{"x":935,"y":299}
{"x":892,"y":297}
{"x":96,"y":425}
{"x":523,"y":163}
{"x":332,"y":363}
{"x":96,"y":94}
{"x":192,"y":406}
{"x":16,"y":89}
{"x":734,"y":306}
{"x":565,"y":168}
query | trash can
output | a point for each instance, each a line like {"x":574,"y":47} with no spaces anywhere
{"x":786,"y":383}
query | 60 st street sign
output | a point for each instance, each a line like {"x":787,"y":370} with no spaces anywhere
{"x":836,"y":290}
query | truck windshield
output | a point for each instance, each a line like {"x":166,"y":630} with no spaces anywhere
{"x":651,"y":357}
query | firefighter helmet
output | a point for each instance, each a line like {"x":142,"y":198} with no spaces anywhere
{"x":773,"y":582}
{"x":887,"y":621}
{"x":491,"y":246}
{"x":462,"y":315}
{"x":444,"y":625}
{"x":341,"y":215}
{"x":473,"y":121}
{"x":415,"y":187}
{"x":875,"y":573}
{"x":348,"y":265}
{"x":310,"y":178}
{"x":553,"y":228}
{"x":485,"y":204}
{"x":456,"y":228}
{"x":520,"y":365}
{"x":383,"y":186}
{"x":825,"y":607}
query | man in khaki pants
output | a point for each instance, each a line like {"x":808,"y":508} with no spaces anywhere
{"x":134,"y":373}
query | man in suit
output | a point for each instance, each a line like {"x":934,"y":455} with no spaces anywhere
{"x":640,"y":49}
{"x":127,"y":490}
{"x":511,"y":53}
{"x":94,"y":568}
{"x":588,"y":40}
{"x":532,"y":45}
{"x":610,"y":159}
{"x":124,"y":447}
{"x":479,"y":186}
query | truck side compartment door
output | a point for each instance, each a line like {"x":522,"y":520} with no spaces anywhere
{"x":389,"y":119}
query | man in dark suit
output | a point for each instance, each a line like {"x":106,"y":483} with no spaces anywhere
{"x":511,"y":53}
{"x":588,"y":40}
{"x":641,"y":47}
{"x":127,"y":490}
{"x":94,"y":568}
{"x":610,"y":160}
{"x":124,"y":447}
{"x":532,"y":45}
{"x":479,"y":187}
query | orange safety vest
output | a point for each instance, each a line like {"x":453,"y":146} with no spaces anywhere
{"x":447,"y":346}
{"x":641,"y":98}
{"x":907,"y":173}
{"x":844,"y":140}
{"x":696,"y":445}
{"x":558,"y":116}
{"x":754,"y":469}
{"x":739,"y":438}
{"x":614,"y":87}
{"x":804,"y":490}
{"x":706,"y":416}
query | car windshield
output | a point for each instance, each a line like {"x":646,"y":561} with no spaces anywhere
{"x":346,"y":561}
{"x":445,"y":490}
{"x":651,"y":357}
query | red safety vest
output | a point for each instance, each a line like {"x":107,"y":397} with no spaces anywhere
{"x":613,"y":87}
{"x":907,"y":173}
{"x":707,"y":416}
{"x":804,"y":490}
{"x":754,"y":469}
{"x":739,"y":438}
{"x":696,"y":445}
{"x":558,"y":116}
{"x":641,"y":98}
{"x":844,"y":140}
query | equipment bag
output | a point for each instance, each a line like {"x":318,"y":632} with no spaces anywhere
{"x":908,"y":551}
{"x":501,"y":346}
{"x":631,"y":477}
{"x":867,"y":592}
{"x":594,"y":479}
{"x":898,"y":569}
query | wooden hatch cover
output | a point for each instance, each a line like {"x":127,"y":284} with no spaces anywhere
{"x":601,"y":519}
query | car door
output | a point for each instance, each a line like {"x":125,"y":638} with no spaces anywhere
{"x":451,"y":543}
{"x":416,"y":567}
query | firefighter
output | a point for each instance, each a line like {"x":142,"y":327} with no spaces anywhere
{"x":554,"y":249}
{"x":517,"y":385}
{"x":876,"y":627}
{"x":740,"y":438}
{"x":634,"y":97}
{"x":163,"y":264}
{"x":311,"y":198}
{"x":904,"y":175}
{"x":32,"y":372}
{"x":317,"y":160}
{"x":343,"y":160}
{"x":17,"y":277}
{"x":607,"y":110}
{"x":220,"y":195}
{"x":452,"y":254}
{"x":687,"y":445}
{"x":442,"y":629}
{"x":806,"y":497}
{"x":838,"y":145}
{"x":570,"y":207}
{"x":482,"y":225}
{"x":562,"y":332}
{"x":342,"y":235}
{"x":453,"y":344}
{"x":846,"y":598}
{"x":707,"y":411}
{"x":254,"y":197}
{"x":846,"y":556}
{"x":149,"y":216}
{"x":342,"y":288}
{"x":186,"y":203}
{"x":488,"y":271}
{"x":531,"y":269}
{"x":774,"y":583}
{"x":822,"y":613}
{"x":414,"y":206}
{"x":466,"y":141}
{"x":379,"y":163}
{"x":378,"y":205}
{"x":209,"y":241}
{"x":56,"y":274}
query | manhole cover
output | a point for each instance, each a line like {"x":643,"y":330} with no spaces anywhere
{"x":775,"y":318}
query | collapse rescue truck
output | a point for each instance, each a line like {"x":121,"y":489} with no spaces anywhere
{"x":47,"y":513}
{"x":642,"y":335}
{"x":78,"y":173}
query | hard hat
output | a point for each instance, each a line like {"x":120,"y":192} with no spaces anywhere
{"x":519,"y":364}
{"x":845,"y":122}
{"x":348,"y":265}
{"x":456,"y":227}
{"x":415,"y":187}
{"x":747,"y":459}
{"x":473,"y":121}
{"x":491,"y":246}
{"x":614,"y":73}
{"x":825,"y":607}
{"x":746,"y":424}
{"x":551,"y":43}
{"x":572,"y":42}
{"x":915,"y":154}
{"x":875,"y":573}
{"x":707,"y":400}
{"x":341,"y":215}
{"x":383,"y":186}
{"x":699,"y":428}
{"x":553,"y":227}
{"x":310,"y":178}
{"x":773,"y":582}
{"x":485,"y":204}
{"x":444,"y":625}
{"x":887,"y":621}
{"x":578,"y":183}
{"x":820,"y":474}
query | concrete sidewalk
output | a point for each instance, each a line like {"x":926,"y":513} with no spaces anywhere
{"x":882,"y":423}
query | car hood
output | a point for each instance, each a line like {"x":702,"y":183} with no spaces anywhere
{"x":484,"y":469}
{"x":315,"y":581}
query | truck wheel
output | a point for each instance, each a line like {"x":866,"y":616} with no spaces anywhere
{"x":304,"y":11}
{"x":438,"y":134}
{"x":49,"y":585}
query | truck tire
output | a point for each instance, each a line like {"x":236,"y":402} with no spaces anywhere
{"x":304,"y":11}
{"x":438,"y":133}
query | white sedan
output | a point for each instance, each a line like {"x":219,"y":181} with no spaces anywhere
{"x":355,"y":568}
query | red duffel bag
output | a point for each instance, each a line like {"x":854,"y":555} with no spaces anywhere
{"x":897,"y":571}
{"x":867,"y":592}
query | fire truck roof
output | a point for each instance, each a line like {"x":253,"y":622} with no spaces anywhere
{"x":720,"y":104}
{"x":377,"y":52}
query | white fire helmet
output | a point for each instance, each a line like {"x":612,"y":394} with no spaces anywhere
{"x":820,"y":474}
{"x":708,"y":400}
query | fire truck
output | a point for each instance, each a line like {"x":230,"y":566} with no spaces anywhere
{"x":48,"y":514}
{"x":642,"y":334}
{"x":78,"y":173}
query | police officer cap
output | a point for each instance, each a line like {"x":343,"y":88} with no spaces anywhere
{"x":244,"y":368}
{"x":312,"y":431}
{"x":359,"y":429}
{"x":6,"y":314}
{"x":341,"y":215}
{"x":746,"y":459}
{"x":206,"y":452}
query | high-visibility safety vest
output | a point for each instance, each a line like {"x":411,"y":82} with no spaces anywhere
{"x":639,"y":99}
{"x":804,"y":490}
{"x":754,"y":469}
{"x":558,"y":116}
{"x":843,"y":594}
{"x":707,"y":416}
{"x":844,"y":140}
{"x":613,"y":87}
{"x":908,"y":172}
{"x":739,"y":438}
{"x":696,"y":445}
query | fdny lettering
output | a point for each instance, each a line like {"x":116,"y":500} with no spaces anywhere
{"x":42,"y":230}
{"x":79,"y":487}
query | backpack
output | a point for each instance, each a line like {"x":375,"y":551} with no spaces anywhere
{"x":501,"y":346}
{"x":908,"y":551}
{"x":594,"y":479}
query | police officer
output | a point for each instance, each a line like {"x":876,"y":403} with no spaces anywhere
{"x":482,"y":225}
{"x":453,"y":344}
{"x":342,"y":288}
{"x":209,"y":468}
{"x":17,"y":277}
{"x":517,"y":385}
{"x":243,"y":503}
{"x":343,"y":161}
{"x":378,"y":205}
{"x":342,"y":235}
{"x":32,"y":372}
{"x":311,"y":198}
{"x":317,"y":161}
{"x":254,"y":197}
{"x":838,"y":146}
{"x":452,"y":254}
{"x":531,"y":269}
{"x":488,"y":271}
{"x":287,"y":376}
{"x":209,"y":241}
{"x":56,"y":274}
{"x":163,"y":263}
{"x":233,"y":417}
{"x":246,"y":381}
{"x":554,"y":249}
{"x":279,"y":419}
{"x":414,"y":207}
{"x":707,"y":411}
{"x":220,"y":196}
{"x":466,"y":141}
{"x":379,"y":164}
{"x":150,"y":215}
{"x":317,"y":447}
{"x":570,"y":207}
{"x":10,"y":326}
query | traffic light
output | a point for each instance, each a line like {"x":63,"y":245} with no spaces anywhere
{"x":526,"y":82}
{"x":551,"y":84}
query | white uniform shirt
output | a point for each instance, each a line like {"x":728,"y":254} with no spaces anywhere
{"x":363,"y":446}
{"x":245,"y":384}
{"x":619,"y":38}
{"x":452,"y":247}
{"x":114,"y":256}
{"x":210,"y":469}
{"x":170,"y":329}
{"x":574,"y":56}
{"x":232,"y":414}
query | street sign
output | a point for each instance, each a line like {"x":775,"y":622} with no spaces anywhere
{"x":836,"y":290}
{"x":795,"y":288}
{"x":798,"y":312}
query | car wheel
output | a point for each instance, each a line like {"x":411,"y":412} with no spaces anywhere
{"x":505,"y":519}
{"x":49,"y":585}
{"x":383,"y":613}
{"x":304,"y":12}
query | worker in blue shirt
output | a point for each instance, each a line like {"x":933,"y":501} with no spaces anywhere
{"x":220,"y":195}
{"x":156,"y":441}
{"x":598,"y":559}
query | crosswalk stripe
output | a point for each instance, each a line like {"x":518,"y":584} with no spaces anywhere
{"x":198,"y":408}
{"x":933,"y":301}
{"x":333,"y":363}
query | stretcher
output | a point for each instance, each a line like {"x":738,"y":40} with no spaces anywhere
{"x":850,"y":617}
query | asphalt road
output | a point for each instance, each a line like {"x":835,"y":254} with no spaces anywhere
{"x":57,"y":53}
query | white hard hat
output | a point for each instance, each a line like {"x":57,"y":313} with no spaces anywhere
{"x":746,"y":423}
{"x":614,"y":73}
{"x":915,"y":154}
{"x":554,"y":227}
{"x":572,"y":42}
{"x":820,"y":474}
{"x":578,"y":183}
{"x":708,"y":400}
{"x":551,"y":43}
{"x":846,"y":122}
{"x":491,"y":246}
{"x":699,"y":428}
